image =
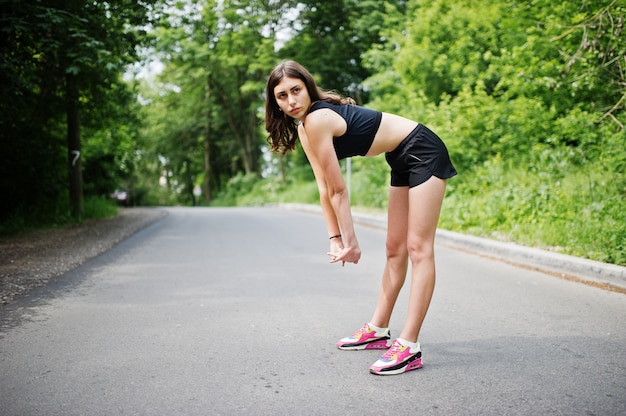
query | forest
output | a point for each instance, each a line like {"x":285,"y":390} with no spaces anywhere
{"x":160,"y":103}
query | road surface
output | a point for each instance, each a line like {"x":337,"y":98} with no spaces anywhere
{"x":232,"y":311}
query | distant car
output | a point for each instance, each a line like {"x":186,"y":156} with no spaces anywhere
{"x":120,"y":196}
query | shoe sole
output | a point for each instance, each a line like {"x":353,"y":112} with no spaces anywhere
{"x":382,"y":344}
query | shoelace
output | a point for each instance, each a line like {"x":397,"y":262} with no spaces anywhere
{"x":393,"y":350}
{"x":361,"y":331}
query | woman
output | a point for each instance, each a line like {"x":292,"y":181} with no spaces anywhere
{"x":331,"y":128}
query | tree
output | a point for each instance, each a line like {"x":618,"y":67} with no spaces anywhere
{"x":217,"y":61}
{"x":344,"y":30}
{"x":62,"y":59}
{"x":596,"y":56}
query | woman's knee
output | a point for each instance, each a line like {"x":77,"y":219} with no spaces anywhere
{"x":420,"y":249}
{"x":396,"y":248}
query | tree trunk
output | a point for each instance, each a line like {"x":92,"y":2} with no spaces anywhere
{"x":73,"y":146}
{"x":238,"y":130}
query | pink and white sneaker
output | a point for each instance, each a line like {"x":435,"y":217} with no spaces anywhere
{"x":366,"y":338}
{"x":398,"y":359}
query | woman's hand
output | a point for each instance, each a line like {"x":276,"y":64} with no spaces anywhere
{"x":339,"y":253}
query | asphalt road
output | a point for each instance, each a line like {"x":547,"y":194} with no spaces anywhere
{"x":225,"y":311}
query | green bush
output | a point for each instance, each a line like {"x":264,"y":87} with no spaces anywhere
{"x":99,"y":207}
{"x":573,"y":210}
{"x":56,"y":214}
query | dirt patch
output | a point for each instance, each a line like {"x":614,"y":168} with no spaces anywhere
{"x":32,"y":259}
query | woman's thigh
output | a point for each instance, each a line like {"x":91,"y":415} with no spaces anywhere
{"x":397,"y":217}
{"x":424,"y":207}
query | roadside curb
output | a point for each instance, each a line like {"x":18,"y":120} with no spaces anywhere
{"x":590,"y":272}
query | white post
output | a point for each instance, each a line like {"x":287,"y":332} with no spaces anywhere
{"x":348,"y":173}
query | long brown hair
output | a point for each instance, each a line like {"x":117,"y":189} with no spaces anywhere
{"x":283,"y":129}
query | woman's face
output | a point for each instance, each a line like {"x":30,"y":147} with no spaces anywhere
{"x":292,"y":97}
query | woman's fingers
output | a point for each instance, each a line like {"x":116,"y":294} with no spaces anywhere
{"x":345,"y":256}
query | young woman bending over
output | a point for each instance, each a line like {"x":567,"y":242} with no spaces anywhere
{"x":331,"y":128}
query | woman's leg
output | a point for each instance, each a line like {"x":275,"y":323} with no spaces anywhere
{"x":397,"y":257}
{"x":423,"y":214}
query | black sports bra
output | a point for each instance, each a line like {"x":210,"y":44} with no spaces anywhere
{"x":362,"y":124}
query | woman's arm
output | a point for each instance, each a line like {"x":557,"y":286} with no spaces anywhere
{"x":317,"y":142}
{"x":332,"y":225}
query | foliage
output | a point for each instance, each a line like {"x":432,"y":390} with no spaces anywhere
{"x":100,"y":207}
{"x":247,"y":190}
{"x":560,"y":207}
{"x":528,"y":96}
{"x":55,"y":214}
{"x":62,"y":64}
{"x":514,"y":90}
{"x":344,"y":30}
{"x":530,"y":103}
{"x":203,"y":124}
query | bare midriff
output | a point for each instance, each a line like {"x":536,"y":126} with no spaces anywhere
{"x":393,"y":129}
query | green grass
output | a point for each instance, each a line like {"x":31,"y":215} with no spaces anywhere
{"x":250,"y":191}
{"x":99,"y":207}
{"x":580,"y":212}
{"x":56,"y":214}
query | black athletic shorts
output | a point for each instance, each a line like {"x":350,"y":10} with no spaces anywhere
{"x":419,"y":156}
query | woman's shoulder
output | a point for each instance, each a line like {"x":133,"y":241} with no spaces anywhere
{"x":317,"y":105}
{"x":321,"y":108}
{"x":324,"y":117}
